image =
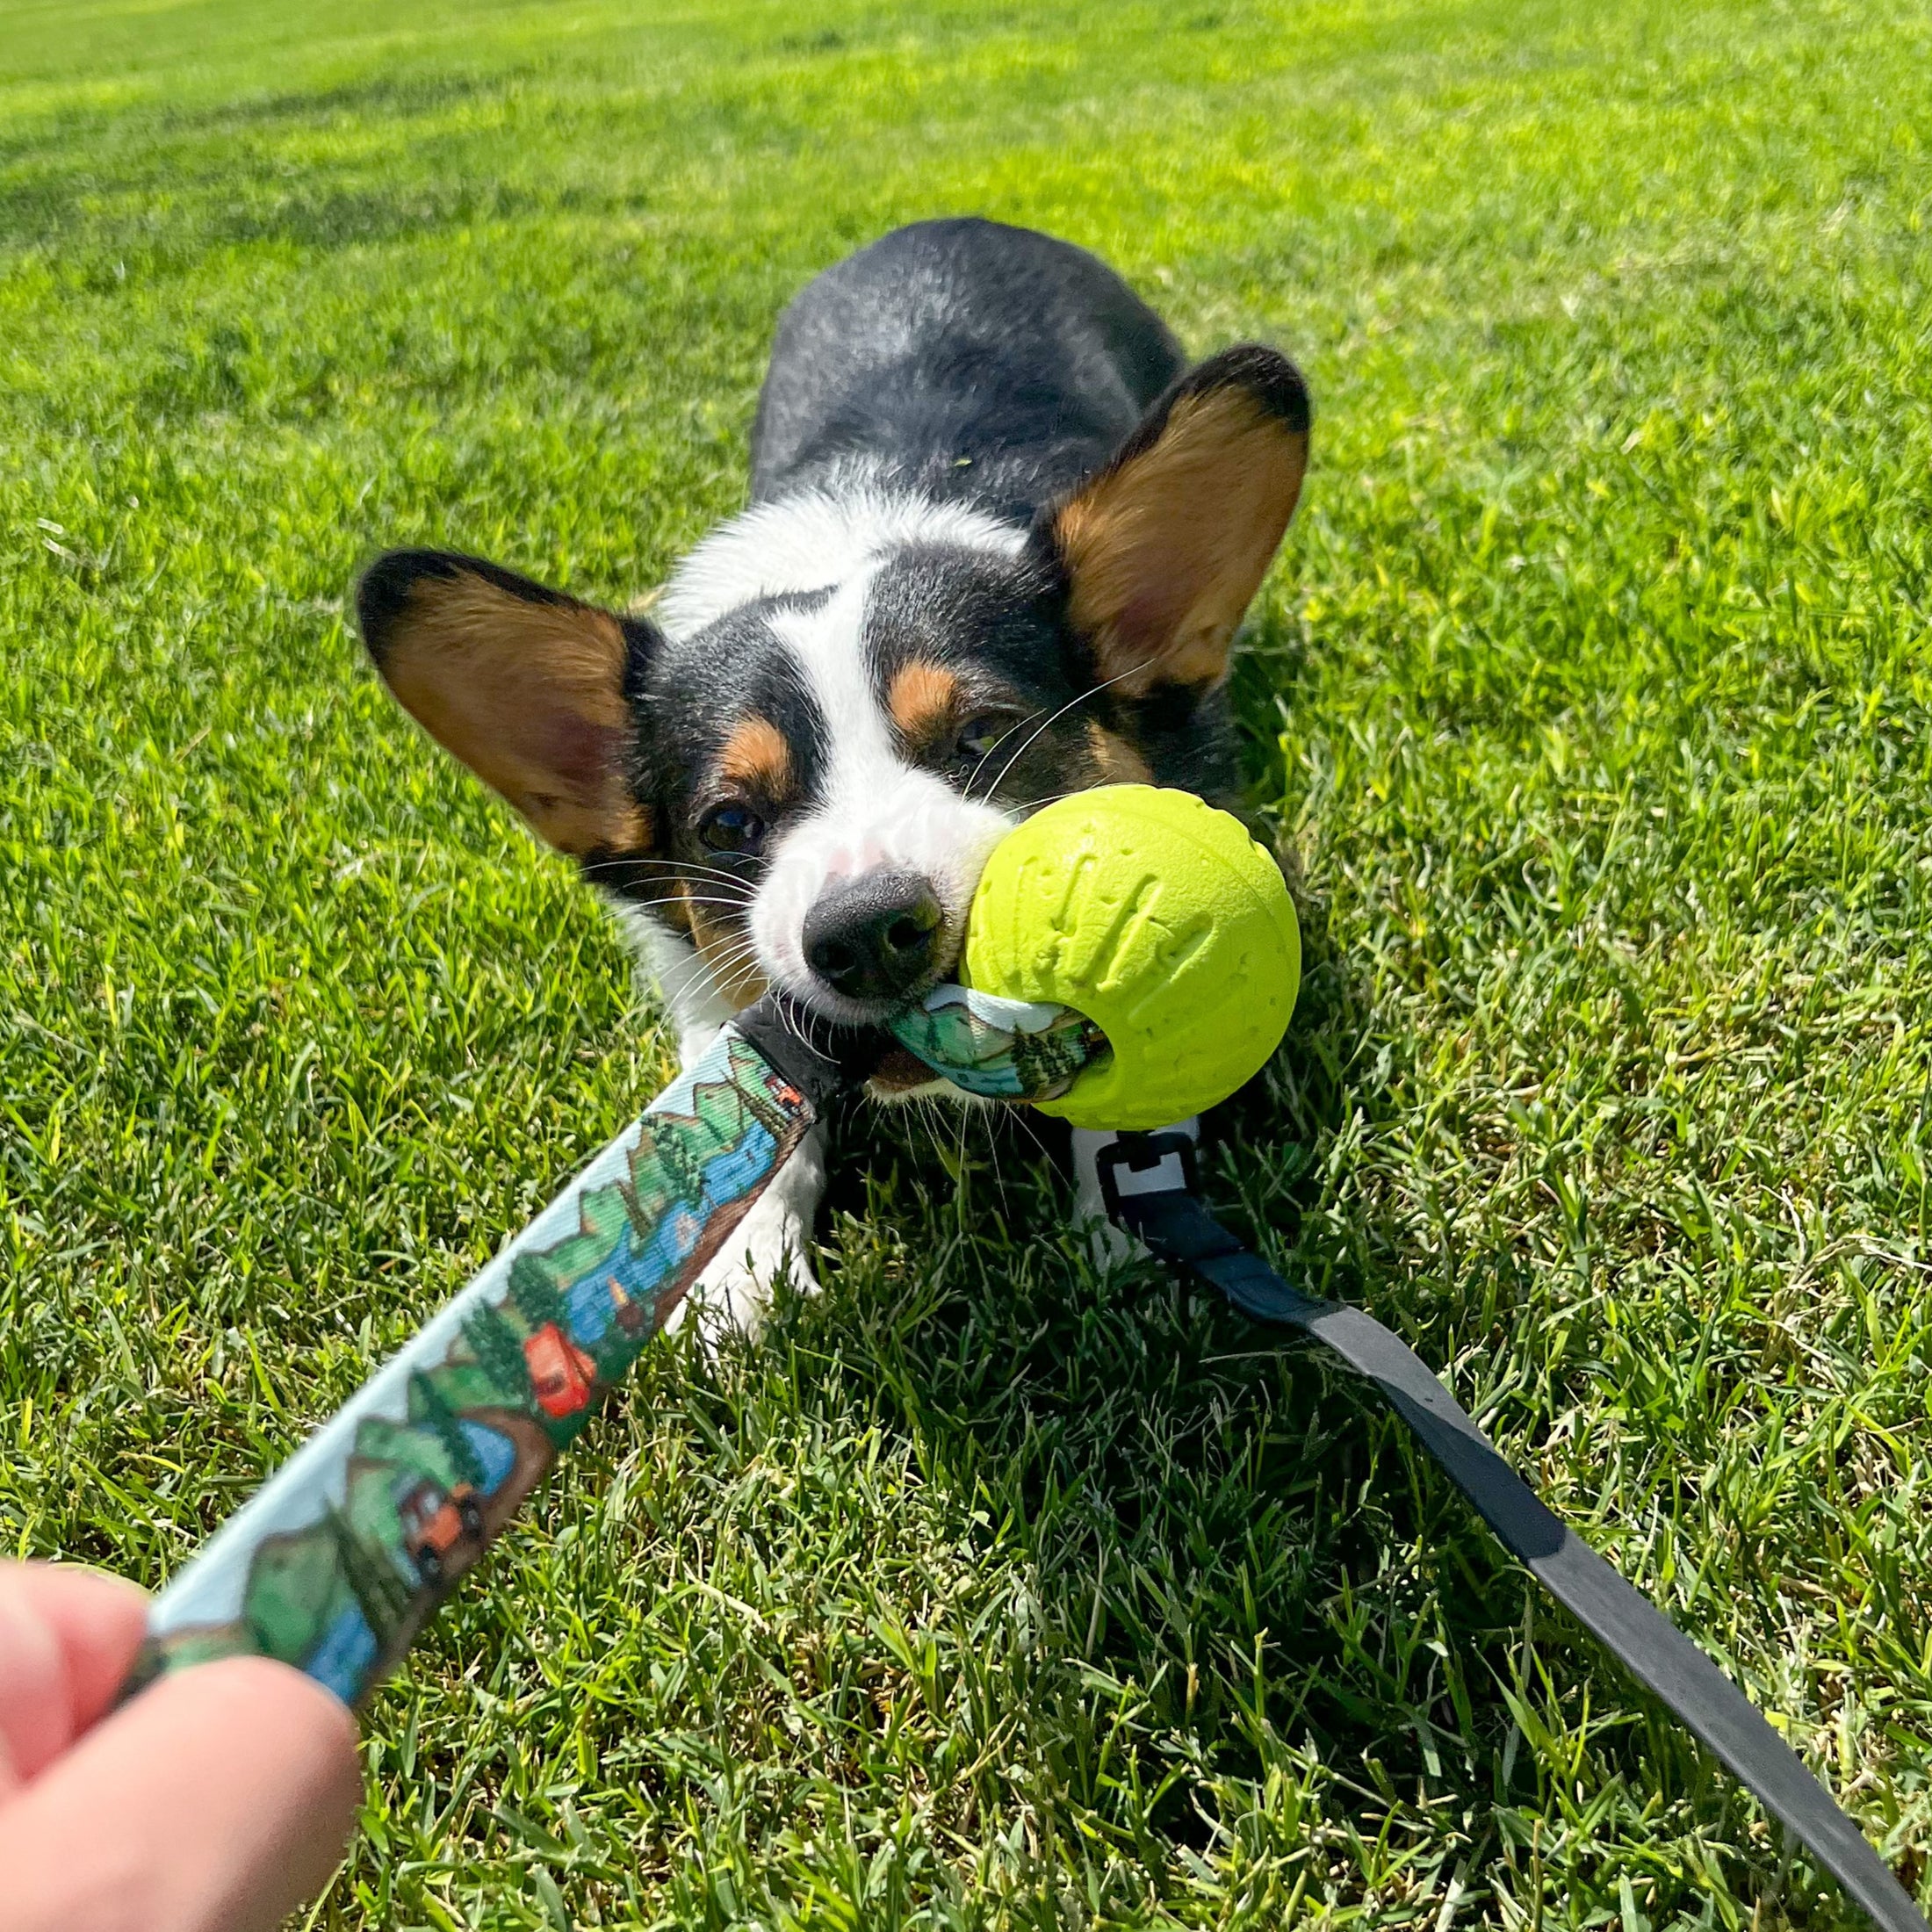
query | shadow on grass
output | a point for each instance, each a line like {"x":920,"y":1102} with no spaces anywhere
{"x":1229,"y":1528}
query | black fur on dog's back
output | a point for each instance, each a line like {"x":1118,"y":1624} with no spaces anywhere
{"x":964,"y":360}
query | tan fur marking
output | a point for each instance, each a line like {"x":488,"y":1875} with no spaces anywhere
{"x":721,"y":945}
{"x":756,"y":755}
{"x":677,"y":913}
{"x":1166,"y":551}
{"x":924,"y":700}
{"x":529,"y":696}
{"x":1119,"y":762}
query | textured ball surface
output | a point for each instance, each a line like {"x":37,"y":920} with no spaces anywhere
{"x":1160,"y":919}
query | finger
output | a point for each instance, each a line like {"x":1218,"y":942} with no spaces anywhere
{"x":66,"y":1638}
{"x":216,"y":1801}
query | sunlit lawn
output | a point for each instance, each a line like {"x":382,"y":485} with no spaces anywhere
{"x":1594,"y":689}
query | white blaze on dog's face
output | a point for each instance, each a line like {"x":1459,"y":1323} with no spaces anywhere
{"x":866,"y":888}
{"x":865,"y":744}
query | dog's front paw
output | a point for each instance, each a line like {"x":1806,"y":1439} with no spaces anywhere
{"x":770,"y":1245}
{"x":736,"y":1290}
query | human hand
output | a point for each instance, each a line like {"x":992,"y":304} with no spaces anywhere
{"x":216,"y":1801}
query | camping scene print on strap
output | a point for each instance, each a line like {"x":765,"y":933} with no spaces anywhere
{"x":337,"y":1563}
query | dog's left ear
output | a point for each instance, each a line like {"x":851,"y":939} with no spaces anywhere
{"x":528,"y":687}
{"x":1164,"y":549}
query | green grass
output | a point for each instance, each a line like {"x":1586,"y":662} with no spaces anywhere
{"x":1594,"y":687}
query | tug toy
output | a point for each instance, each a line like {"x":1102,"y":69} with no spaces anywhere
{"x":1134,"y":958}
{"x":1131,"y":958}
{"x":1139,"y":934}
{"x":1162,"y":922}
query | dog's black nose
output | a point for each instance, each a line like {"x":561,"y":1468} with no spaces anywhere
{"x":871,"y":938}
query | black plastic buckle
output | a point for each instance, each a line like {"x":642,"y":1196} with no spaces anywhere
{"x":1142,"y":1154}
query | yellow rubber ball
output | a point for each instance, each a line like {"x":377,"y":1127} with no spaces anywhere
{"x":1160,"y":919}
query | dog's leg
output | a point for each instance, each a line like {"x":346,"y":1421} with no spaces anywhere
{"x":770,"y":1244}
{"x":773,"y":1242}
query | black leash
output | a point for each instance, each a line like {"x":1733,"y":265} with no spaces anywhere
{"x":1175,"y":1226}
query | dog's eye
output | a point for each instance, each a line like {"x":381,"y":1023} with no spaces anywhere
{"x":981,"y":735}
{"x":734,"y":829}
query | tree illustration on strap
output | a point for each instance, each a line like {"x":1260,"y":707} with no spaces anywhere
{"x":535,"y":1294}
{"x":428,"y":1408}
{"x":679,"y":1163}
{"x":382,"y":1594}
{"x":499,"y":1354}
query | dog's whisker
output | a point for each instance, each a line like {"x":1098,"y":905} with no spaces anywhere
{"x":931,"y":1116}
{"x":683,"y":898}
{"x":685,"y":895}
{"x":738,"y":948}
{"x":718,"y":967}
{"x":790,"y":1021}
{"x":742,"y":946}
{"x":717,"y":976}
{"x":1132,"y":670}
{"x":685,"y":870}
{"x":1019,"y":724}
{"x":959,"y":1144}
{"x":721,"y":909}
{"x":1024,"y":1118}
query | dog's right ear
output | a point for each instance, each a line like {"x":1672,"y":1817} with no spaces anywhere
{"x":1163,"y":549}
{"x":527,"y":687}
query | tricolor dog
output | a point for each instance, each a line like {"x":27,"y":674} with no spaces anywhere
{"x":999,"y":539}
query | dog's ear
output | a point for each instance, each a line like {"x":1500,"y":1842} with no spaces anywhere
{"x":525,"y":685}
{"x":1164,"y":550}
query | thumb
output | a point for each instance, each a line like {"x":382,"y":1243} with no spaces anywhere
{"x":68,"y":1635}
{"x":215,"y":1801}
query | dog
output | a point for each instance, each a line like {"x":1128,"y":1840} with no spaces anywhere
{"x":1000,"y":537}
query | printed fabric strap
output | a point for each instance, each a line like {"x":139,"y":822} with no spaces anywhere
{"x":1175,"y":1228}
{"x":344,"y":1555}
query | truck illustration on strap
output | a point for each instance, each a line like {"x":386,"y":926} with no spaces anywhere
{"x":440,"y":1526}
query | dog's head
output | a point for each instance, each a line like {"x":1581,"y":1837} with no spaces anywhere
{"x":799,"y":761}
